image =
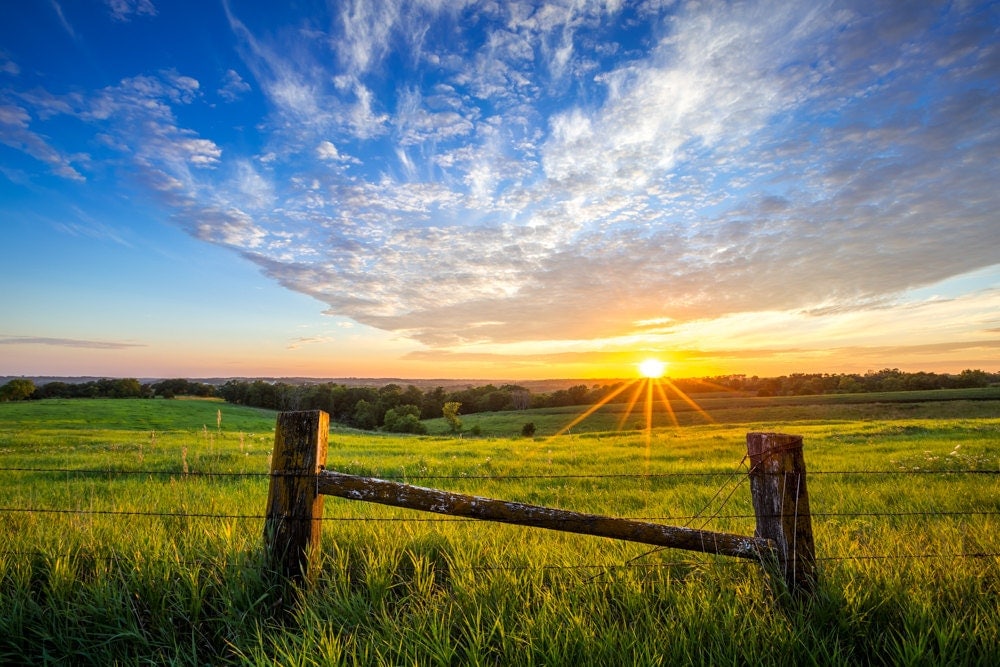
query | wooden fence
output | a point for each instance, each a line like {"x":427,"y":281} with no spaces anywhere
{"x":783,"y":540}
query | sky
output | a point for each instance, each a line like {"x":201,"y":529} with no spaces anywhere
{"x":511,"y":190}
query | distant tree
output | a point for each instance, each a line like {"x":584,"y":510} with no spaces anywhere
{"x":493,"y":401}
{"x":769,"y":387}
{"x":973,"y":378}
{"x":404,"y":419}
{"x":365,"y":415}
{"x":126,"y":388}
{"x":182,"y":387}
{"x":412,"y":396}
{"x":54,"y":390}
{"x":390,"y":396}
{"x":848,"y":384}
{"x":432,"y":404}
{"x":18,"y":389}
{"x":450,"y":412}
{"x":520,"y":398}
{"x":528,"y":430}
{"x":578,"y":394}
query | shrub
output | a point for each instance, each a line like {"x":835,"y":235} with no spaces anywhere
{"x":18,"y":389}
{"x":404,"y":419}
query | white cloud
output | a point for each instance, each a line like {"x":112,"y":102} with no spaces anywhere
{"x":200,"y":152}
{"x":233,"y":86}
{"x":251,"y":187}
{"x":299,"y":343}
{"x":365,"y":122}
{"x":327,"y":151}
{"x":418,"y":124}
{"x":15,"y":132}
{"x":229,"y":227}
{"x":57,"y":8}
{"x":185,"y":86}
{"x":8,"y":66}
{"x":123,"y":10}
{"x":367,"y":30}
{"x":14,"y":116}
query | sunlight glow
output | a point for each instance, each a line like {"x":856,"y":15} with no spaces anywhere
{"x":651,"y":386}
{"x":652,"y":368}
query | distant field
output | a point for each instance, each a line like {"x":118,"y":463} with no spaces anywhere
{"x":124,"y":558}
{"x":132,"y":414}
{"x":756,"y":412}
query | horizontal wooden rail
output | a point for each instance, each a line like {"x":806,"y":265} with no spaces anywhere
{"x":397,"y":494}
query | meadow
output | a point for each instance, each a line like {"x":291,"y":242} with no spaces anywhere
{"x":132,"y":534}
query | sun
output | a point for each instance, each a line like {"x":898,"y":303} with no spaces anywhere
{"x":652,"y":368}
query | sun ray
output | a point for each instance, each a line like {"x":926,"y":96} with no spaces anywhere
{"x":649,"y":416}
{"x":649,"y":404}
{"x":666,"y":402}
{"x":651,"y":372}
{"x":687,"y":399}
{"x":714,"y":385}
{"x":631,"y":404}
{"x":594,"y":408}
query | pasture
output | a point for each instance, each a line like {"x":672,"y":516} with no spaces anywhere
{"x":132,"y":534}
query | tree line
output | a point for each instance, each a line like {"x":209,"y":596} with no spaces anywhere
{"x":20,"y":389}
{"x":805,"y":384}
{"x":395,"y":408}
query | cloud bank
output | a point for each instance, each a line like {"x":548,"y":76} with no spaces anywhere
{"x":467,"y":173}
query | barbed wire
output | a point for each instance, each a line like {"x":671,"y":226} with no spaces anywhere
{"x":206,"y":515}
{"x":974,"y":554}
{"x":397,"y":476}
{"x":734,"y":479}
{"x":715,"y":561}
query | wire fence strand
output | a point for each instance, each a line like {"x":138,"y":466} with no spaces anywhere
{"x":406,"y":476}
{"x":373,"y":519}
{"x":733,"y":479}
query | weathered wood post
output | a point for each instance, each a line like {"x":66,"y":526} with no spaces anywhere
{"x":294,"y":506}
{"x":781,"y":505}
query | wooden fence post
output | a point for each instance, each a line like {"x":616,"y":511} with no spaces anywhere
{"x":294,"y":506}
{"x":781,"y":505}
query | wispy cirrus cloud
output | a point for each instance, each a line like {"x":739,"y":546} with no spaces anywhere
{"x":68,"y":342}
{"x":299,"y":343}
{"x":124,"y":10}
{"x":16,"y":132}
{"x":136,"y":122}
{"x":7,"y":65}
{"x":233,"y":86}
{"x":57,"y":8}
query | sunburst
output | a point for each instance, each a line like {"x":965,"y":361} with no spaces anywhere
{"x":652,"y":368}
{"x":651,"y":384}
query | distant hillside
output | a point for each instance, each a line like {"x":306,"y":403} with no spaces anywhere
{"x":535,"y":386}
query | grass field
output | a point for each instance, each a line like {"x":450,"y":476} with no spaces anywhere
{"x":126,"y":559}
{"x":733,"y":408}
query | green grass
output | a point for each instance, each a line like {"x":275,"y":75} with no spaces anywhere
{"x":769,"y":413}
{"x":133,"y":574}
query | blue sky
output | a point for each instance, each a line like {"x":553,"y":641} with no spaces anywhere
{"x":498,"y":189}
